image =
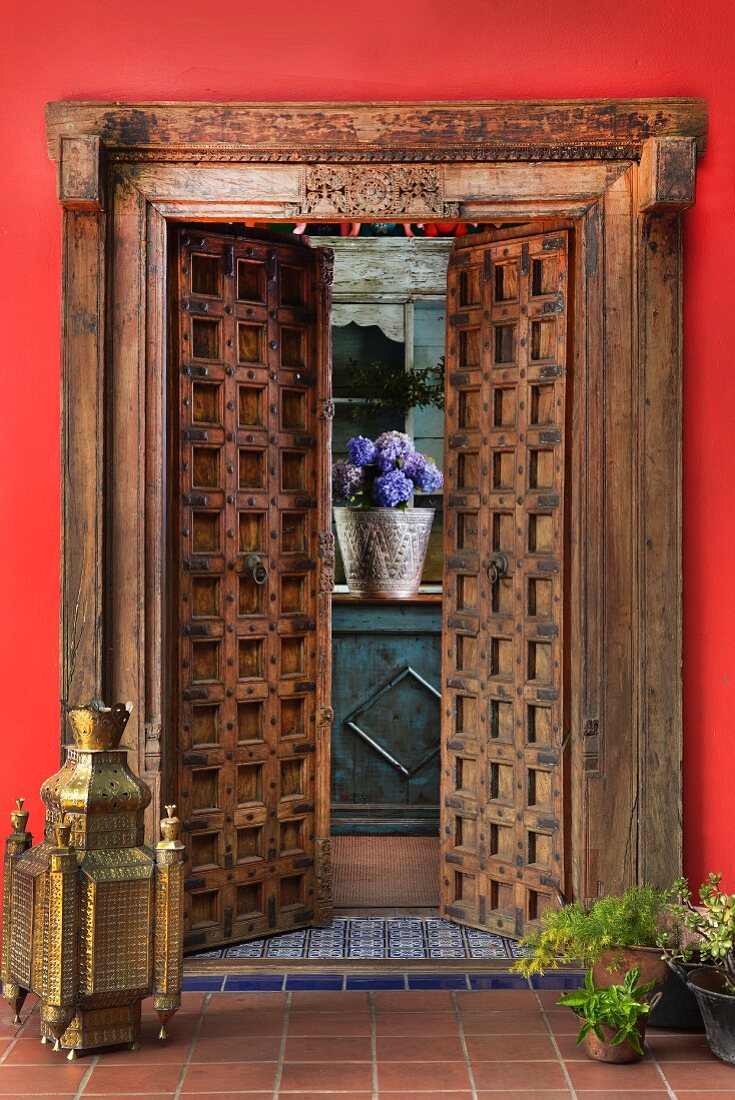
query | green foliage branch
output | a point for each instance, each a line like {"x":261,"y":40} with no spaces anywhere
{"x":577,"y":934}
{"x":709,"y":926}
{"x":389,"y":389}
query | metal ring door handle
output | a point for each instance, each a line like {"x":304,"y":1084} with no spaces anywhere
{"x":497,"y":568}
{"x":256,"y":568}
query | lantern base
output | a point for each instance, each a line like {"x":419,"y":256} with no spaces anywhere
{"x":101,"y":1027}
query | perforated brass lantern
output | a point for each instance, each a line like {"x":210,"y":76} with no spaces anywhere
{"x":92,"y":918}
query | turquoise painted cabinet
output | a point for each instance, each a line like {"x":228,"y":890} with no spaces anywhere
{"x":386,"y":678}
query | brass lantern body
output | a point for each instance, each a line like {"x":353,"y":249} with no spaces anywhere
{"x":92,"y":918}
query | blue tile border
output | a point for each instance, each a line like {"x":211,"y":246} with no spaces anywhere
{"x":202,"y":983}
{"x":566,"y":979}
{"x":498,"y":980}
{"x":437,"y":981}
{"x":254,"y":983}
{"x":315,"y":981}
{"x":370,"y":982}
{"x":336,"y":981}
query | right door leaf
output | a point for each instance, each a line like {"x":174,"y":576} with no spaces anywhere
{"x":502,"y":812}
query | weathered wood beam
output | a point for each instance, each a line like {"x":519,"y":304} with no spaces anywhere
{"x":358,"y":132}
{"x":666,"y":174}
{"x":79,"y":175}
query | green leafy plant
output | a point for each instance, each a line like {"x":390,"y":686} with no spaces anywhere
{"x":390,"y":389}
{"x":574,"y":933}
{"x":620,"y":1007}
{"x":709,"y":927}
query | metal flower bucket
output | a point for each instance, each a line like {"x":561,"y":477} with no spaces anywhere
{"x":383,"y":550}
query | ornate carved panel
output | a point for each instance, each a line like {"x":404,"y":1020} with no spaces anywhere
{"x":251,"y":565}
{"x":502,"y":782}
{"x":353,"y":192}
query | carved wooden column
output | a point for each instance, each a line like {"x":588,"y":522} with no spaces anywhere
{"x":81,"y":193}
{"x":666,"y":179}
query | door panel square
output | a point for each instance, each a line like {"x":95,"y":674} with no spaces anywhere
{"x":250,"y":281}
{"x":250,"y":340}
{"x":251,"y":470}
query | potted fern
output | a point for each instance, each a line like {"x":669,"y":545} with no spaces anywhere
{"x":614,"y":935}
{"x":613,"y":1017}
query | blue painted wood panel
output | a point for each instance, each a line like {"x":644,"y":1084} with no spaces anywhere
{"x":386,"y":677}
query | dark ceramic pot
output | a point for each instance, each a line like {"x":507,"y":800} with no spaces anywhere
{"x":718,"y":1010}
{"x":678,"y":1008}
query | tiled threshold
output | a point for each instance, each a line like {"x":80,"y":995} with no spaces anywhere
{"x":405,"y":976}
{"x":360,"y":1045}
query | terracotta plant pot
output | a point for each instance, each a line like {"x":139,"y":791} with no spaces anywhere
{"x":606,"y":1052}
{"x":718,"y":1010}
{"x":623,"y":959}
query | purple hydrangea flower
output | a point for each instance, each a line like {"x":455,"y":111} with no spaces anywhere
{"x":361,"y":451}
{"x":347,"y":479}
{"x":429,"y":478}
{"x":392,"y":488}
{"x":393,"y":447}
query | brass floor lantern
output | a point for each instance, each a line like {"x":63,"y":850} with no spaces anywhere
{"x":92,"y":918}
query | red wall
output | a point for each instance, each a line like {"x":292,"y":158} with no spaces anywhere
{"x":410,"y":49}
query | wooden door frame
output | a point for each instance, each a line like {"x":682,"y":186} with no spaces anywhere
{"x":619,"y":173}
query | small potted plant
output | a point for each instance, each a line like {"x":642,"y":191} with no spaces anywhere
{"x":613,"y":1016}
{"x":710,"y":928}
{"x":383,"y":542}
{"x":614,"y":935}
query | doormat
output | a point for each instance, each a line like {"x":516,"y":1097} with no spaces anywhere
{"x":375,"y":938}
{"x":385,"y":871}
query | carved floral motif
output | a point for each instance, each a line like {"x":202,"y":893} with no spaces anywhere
{"x":400,"y":190}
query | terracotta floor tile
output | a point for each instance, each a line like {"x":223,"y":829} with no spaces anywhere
{"x":334,"y":1096}
{"x":416,"y":1048}
{"x":563,"y":1022}
{"x":32,"y":1052}
{"x":245,"y":1024}
{"x":415,"y":1000}
{"x":701,"y":1094}
{"x":333,"y":1048}
{"x":626,"y":1094}
{"x":494,"y":1000}
{"x":328,"y":1023}
{"x":422,"y":1096}
{"x":107,"y":1079}
{"x":518,"y":1075}
{"x":299,"y":1077}
{"x":524,"y":1094}
{"x":416,"y":1076}
{"x":232,"y":1077}
{"x":523,"y":1022}
{"x":601,"y":1075}
{"x":568,"y":1048}
{"x":237,"y":1048}
{"x":549,"y":997}
{"x":679,"y":1048}
{"x":48,"y":1080}
{"x":510,"y":1048}
{"x":191,"y":1002}
{"x":700,"y":1075}
{"x":150,"y":1095}
{"x":327,"y":1000}
{"x":231,"y":1003}
{"x":265,"y":1094}
{"x":418,"y":1023}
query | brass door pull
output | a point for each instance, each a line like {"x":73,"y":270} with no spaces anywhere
{"x":256,"y":569}
{"x":497,"y":568}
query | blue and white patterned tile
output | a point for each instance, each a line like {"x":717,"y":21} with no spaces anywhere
{"x":444,"y":940}
{"x":515,"y":951}
{"x":485,"y":945}
{"x":252,"y":950}
{"x":326,"y":943}
{"x":215,"y":954}
{"x":291,"y":945}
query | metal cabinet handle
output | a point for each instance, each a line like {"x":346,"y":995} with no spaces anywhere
{"x":256,"y":569}
{"x":497,"y":568}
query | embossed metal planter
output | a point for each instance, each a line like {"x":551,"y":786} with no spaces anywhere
{"x":383,"y":550}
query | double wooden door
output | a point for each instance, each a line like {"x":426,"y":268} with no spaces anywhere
{"x":255,"y":570}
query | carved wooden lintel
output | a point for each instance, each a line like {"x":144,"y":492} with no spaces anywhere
{"x":667,"y":173}
{"x":80,"y":183}
{"x":395,"y":190}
